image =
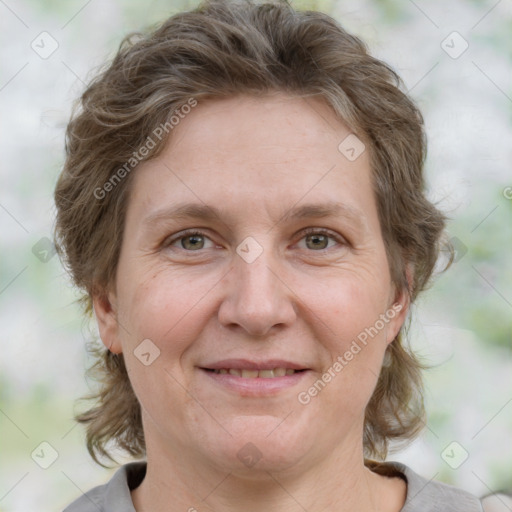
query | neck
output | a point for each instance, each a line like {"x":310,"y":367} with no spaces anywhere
{"x":340,"y":481}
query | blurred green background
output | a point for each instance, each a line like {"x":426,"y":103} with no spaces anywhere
{"x":462,"y":326}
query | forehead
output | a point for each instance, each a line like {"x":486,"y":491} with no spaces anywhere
{"x":273,"y":125}
{"x":270,"y":152}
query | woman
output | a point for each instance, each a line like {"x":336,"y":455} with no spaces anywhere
{"x":242,"y":204}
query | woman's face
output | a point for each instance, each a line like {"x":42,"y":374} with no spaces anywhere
{"x":252,"y":243}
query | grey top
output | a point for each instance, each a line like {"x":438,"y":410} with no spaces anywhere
{"x":422,"y":495}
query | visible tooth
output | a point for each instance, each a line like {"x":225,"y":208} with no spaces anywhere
{"x":252,"y":374}
{"x":249,"y":374}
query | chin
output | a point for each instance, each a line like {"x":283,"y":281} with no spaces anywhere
{"x":260,"y":444}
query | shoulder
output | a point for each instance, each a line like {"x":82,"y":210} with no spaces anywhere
{"x":428,"y":495}
{"x":115,"y":494}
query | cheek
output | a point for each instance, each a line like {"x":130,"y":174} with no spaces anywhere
{"x":155,"y":303}
{"x":167,"y":308}
{"x":354,"y":336}
{"x":171,"y":317}
{"x":347,"y":304}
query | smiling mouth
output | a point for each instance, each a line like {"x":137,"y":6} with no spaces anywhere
{"x":254,"y":374}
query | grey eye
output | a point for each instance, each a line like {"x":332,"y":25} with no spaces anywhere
{"x":192,"y":242}
{"x":317,"y":241}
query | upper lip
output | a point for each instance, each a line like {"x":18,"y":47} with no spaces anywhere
{"x":246,"y":364}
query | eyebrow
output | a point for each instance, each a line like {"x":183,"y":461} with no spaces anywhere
{"x":203,"y":212}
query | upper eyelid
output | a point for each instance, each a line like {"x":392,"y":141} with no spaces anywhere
{"x":324,"y":231}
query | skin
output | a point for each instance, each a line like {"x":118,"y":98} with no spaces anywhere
{"x":300,"y":300}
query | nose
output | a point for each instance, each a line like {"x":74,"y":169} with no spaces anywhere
{"x":257,"y":297}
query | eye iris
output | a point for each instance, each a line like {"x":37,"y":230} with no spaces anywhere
{"x":319,"y":241}
{"x":194,"y":242}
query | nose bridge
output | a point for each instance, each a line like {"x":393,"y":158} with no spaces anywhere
{"x":257,"y":277}
{"x":256,"y":298}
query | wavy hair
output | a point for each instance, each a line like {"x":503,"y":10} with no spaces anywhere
{"x":220,"y":49}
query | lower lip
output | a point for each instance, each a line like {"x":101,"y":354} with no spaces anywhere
{"x":255,"y":386}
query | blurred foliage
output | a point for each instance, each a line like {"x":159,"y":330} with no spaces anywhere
{"x":480,"y":282}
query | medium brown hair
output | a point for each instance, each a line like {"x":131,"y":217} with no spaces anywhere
{"x":221,"y":49}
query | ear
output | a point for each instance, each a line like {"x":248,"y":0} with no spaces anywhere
{"x":104,"y":306}
{"x":399,"y":307}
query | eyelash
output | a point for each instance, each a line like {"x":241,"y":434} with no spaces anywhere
{"x":306,"y":232}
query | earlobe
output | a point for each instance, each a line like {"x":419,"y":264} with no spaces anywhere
{"x":400,"y":305}
{"x":397,"y":314}
{"x":106,"y":318}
